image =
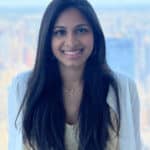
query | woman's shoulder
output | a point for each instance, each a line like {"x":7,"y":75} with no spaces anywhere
{"x":124,"y":81}
{"x":21,"y":78}
{"x":127,"y":88}
{"x":18,"y":84}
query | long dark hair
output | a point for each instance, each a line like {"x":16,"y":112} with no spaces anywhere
{"x":43,"y":113}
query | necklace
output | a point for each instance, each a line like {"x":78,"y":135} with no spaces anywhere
{"x":73,"y":91}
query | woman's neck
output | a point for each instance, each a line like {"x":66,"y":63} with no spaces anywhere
{"x":71,"y":76}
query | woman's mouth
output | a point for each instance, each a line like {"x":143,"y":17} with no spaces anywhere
{"x":73,"y":53}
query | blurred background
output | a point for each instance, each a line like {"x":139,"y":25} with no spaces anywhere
{"x":126,"y":26}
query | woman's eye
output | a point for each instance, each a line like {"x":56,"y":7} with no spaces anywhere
{"x":82,"y":30}
{"x":59,"y":33}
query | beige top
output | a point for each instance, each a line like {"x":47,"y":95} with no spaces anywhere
{"x":72,"y":137}
{"x":71,"y":140}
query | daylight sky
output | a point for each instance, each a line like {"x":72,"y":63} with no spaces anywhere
{"x":94,"y":2}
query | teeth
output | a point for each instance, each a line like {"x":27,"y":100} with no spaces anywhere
{"x":72,"y":52}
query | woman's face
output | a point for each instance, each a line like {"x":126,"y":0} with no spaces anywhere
{"x":72,"y":39}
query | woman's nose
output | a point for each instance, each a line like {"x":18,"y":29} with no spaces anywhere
{"x":71,"y":41}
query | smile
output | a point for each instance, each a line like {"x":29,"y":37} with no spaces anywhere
{"x":73,"y":53}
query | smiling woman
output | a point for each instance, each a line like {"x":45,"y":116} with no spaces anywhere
{"x":72,"y":99}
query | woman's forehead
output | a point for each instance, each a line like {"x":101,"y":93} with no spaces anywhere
{"x":71,"y":16}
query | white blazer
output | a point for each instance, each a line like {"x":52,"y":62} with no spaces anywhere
{"x":129,"y":137}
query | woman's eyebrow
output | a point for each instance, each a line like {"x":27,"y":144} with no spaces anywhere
{"x":77,"y":26}
{"x":62,"y":27}
{"x":81,"y":25}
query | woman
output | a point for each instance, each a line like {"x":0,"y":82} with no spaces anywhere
{"x":72,"y":99}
